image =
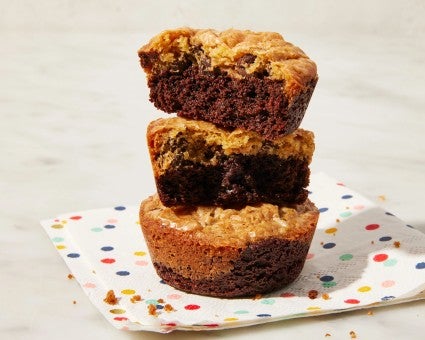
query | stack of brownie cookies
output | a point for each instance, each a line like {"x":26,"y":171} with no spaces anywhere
{"x":231,"y":216}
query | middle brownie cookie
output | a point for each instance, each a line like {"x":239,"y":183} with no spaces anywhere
{"x":198,"y":163}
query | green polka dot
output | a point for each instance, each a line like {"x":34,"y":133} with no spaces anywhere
{"x":268,"y":301}
{"x":96,"y":229}
{"x":346,"y":257}
{"x":329,"y":284}
{"x":345,"y":214}
{"x":241,"y":312}
{"x":390,"y":262}
{"x":151,"y":302}
{"x":57,"y":239}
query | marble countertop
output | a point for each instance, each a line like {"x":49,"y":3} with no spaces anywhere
{"x":74,"y":109}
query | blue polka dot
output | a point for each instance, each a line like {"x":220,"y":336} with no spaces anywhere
{"x":73,"y":255}
{"x":346,"y":197}
{"x":385,"y":238}
{"x":107,"y":248}
{"x":326,"y":278}
{"x":123,"y":273}
{"x":119,"y":208}
{"x":109,"y":226}
{"x":410,"y":226}
{"x":163,"y":282}
{"x":323,"y":209}
{"x":389,"y":214}
{"x":159,"y":307}
{"x":388,"y":298}
{"x":329,"y":245}
{"x":310,"y":192}
{"x":420,"y":265}
{"x":263,"y":315}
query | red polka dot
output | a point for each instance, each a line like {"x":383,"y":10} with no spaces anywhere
{"x":192,"y":307}
{"x":107,"y":260}
{"x":170,"y":324}
{"x":373,"y":226}
{"x":75,"y":218}
{"x":352,"y":301}
{"x":380,"y":257}
{"x":212,"y":325}
{"x":287,"y":295}
{"x":120,"y":318}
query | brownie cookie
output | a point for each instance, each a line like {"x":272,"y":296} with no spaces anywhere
{"x":228,"y":252}
{"x":197,"y":163}
{"x":255,"y":81}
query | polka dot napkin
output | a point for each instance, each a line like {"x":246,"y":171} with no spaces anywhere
{"x":361,"y":256}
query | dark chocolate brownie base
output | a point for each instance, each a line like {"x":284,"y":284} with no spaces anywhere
{"x":263,"y":267}
{"x":237,"y":180}
{"x":254,"y":103}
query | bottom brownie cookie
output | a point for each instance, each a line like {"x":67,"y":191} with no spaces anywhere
{"x":228,"y":252}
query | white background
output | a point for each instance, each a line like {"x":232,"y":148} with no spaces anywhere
{"x":74,"y":108}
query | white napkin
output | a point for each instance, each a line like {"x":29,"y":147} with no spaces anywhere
{"x":361,"y":257}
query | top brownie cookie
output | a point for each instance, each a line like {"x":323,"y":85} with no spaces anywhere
{"x":236,"y":79}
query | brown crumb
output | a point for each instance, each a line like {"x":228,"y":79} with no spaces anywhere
{"x":136,"y":298}
{"x":312,"y":294}
{"x":169,"y":308}
{"x":160,"y":300}
{"x":397,"y":244}
{"x":382,"y":197}
{"x":327,"y":334}
{"x":74,"y":302}
{"x":70,"y":276}
{"x":257,"y":297}
{"x":353,"y":335}
{"x":370,"y":312}
{"x":372,"y":242}
{"x":325,"y":296}
{"x":152,"y":309}
{"x":338,"y":220}
{"x":321,"y":243}
{"x":110,"y":298}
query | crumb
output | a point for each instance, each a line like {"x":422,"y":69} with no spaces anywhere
{"x":110,"y":298}
{"x":382,"y":197}
{"x":327,"y":334}
{"x":321,"y":243}
{"x":353,"y":335}
{"x":257,"y":297}
{"x":70,"y":276}
{"x":338,"y":220}
{"x":397,"y":244}
{"x":169,"y":308}
{"x":372,"y":242}
{"x":136,"y":298}
{"x":74,"y":302}
{"x":312,"y":294}
{"x":325,"y":296}
{"x":152,"y":309}
{"x":160,"y":300}
{"x":370,"y":312}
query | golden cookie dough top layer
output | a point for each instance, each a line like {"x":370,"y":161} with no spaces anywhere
{"x":231,"y":227}
{"x":227,"y":49}
{"x":202,"y":135}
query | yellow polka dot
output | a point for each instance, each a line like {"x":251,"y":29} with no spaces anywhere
{"x":364,"y":289}
{"x":57,"y":226}
{"x":331,"y":230}
{"x":64,"y":222}
{"x":128,"y":291}
{"x":139,"y":253}
{"x":313,"y":308}
{"x":60,"y":246}
{"x":138,"y":222}
{"x":117,"y":311}
{"x":231,"y":319}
